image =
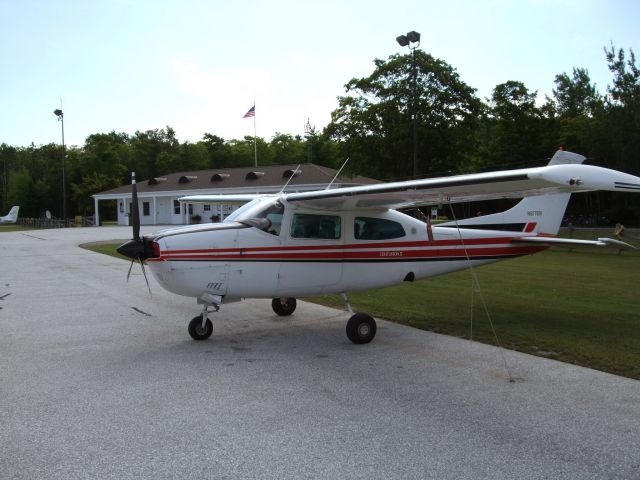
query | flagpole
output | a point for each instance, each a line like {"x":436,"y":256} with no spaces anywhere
{"x":255,"y":142}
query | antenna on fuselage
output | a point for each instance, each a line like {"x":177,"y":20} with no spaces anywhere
{"x":290,"y":178}
{"x":336,"y":175}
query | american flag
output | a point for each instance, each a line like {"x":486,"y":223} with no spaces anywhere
{"x":251,"y":112}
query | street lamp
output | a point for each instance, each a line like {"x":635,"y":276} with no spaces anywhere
{"x":412,"y":40}
{"x":60,"y":116}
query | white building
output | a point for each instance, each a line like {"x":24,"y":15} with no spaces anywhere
{"x":158,"y":197}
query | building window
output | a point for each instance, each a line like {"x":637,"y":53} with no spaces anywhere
{"x":305,"y":225}
{"x":207,"y":208}
{"x":146,"y":210}
{"x":121,"y":207}
{"x":176,"y":207}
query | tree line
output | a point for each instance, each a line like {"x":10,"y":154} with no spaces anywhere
{"x":373,"y":126}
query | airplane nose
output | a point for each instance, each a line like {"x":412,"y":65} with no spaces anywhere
{"x":133,"y":249}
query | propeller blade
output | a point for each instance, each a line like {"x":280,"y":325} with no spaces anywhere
{"x":135,"y":212}
{"x":130,"y":267}
{"x":145,"y":276}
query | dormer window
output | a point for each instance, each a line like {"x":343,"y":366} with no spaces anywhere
{"x":187,"y":178}
{"x":291,"y":173}
{"x":218,"y":177}
{"x":254,"y":175}
{"x":156,"y":180}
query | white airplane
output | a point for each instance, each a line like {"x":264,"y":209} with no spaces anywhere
{"x":348,"y":239}
{"x":12,"y":216}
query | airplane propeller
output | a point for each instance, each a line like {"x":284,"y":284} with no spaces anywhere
{"x":135,"y":248}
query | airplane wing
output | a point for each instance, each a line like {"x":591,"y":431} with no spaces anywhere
{"x":567,"y":242}
{"x":478,"y":186}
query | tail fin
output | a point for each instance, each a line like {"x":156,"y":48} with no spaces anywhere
{"x":12,"y":216}
{"x":537,"y":214}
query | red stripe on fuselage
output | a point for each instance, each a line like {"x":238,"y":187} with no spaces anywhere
{"x":349,"y":246}
{"x":390,"y":255}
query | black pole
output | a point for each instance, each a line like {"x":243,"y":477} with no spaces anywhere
{"x":60,"y":115}
{"x":412,"y":40}
{"x":64,"y":189}
{"x":415,"y":117}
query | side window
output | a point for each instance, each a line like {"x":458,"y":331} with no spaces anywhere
{"x":305,"y":225}
{"x":368,"y":228}
{"x":176,"y":207}
{"x":146,"y":210}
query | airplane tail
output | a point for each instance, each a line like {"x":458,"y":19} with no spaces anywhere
{"x":12,"y":216}
{"x":541,"y":214}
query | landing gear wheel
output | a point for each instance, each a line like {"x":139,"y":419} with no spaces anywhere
{"x":197,"y":332}
{"x":361,"y":328}
{"x":284,"y":306}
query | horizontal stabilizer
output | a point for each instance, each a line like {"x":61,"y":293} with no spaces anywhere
{"x":600,"y":242}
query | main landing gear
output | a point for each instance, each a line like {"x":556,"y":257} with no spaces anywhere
{"x":361,"y":327}
{"x":284,"y":306}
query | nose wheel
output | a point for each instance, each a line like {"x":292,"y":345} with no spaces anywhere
{"x":198,"y":330}
{"x":200,"y":327}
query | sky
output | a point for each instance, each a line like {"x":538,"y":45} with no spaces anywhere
{"x":198,"y":66}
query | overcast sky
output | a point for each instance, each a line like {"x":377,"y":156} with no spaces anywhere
{"x":198,"y":66}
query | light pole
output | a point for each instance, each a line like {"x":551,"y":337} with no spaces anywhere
{"x":412,"y":40}
{"x":60,"y":115}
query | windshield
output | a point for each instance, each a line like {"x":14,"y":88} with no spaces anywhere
{"x":240,"y":213}
{"x":264,"y":214}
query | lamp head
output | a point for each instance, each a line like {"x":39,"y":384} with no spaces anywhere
{"x":402,"y":40}
{"x":413,"y":36}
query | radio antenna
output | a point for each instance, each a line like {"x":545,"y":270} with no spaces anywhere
{"x":337,"y":173}
{"x":290,"y":178}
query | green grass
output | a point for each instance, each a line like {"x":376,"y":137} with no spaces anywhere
{"x":106,"y":249}
{"x":13,"y":228}
{"x":580,"y":306}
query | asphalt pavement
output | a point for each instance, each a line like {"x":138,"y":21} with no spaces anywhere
{"x":99,"y":380}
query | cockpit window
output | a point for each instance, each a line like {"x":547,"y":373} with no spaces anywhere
{"x":306,"y":225}
{"x":369,"y":228}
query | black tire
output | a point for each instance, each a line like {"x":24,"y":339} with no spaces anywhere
{"x":197,"y":332}
{"x":284,"y":306}
{"x":361,"y":328}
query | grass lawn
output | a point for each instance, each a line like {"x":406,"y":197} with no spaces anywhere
{"x":13,"y":228}
{"x":580,"y":306}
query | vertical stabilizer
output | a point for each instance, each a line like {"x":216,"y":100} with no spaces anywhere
{"x":536,"y":214}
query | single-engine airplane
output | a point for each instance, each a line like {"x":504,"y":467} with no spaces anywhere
{"x":343,"y":240}
{"x":12,"y":216}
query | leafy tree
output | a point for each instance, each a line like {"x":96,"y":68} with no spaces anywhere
{"x":287,"y":149}
{"x":516,"y":132}
{"x":374,"y":123}
{"x":576,"y":96}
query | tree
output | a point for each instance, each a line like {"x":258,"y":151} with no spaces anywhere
{"x":374,"y":122}
{"x":576,"y":96}
{"x":515,"y":131}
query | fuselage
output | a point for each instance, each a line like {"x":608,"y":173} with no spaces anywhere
{"x":272,"y":249}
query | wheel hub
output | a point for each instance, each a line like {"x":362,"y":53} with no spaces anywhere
{"x":364,"y":329}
